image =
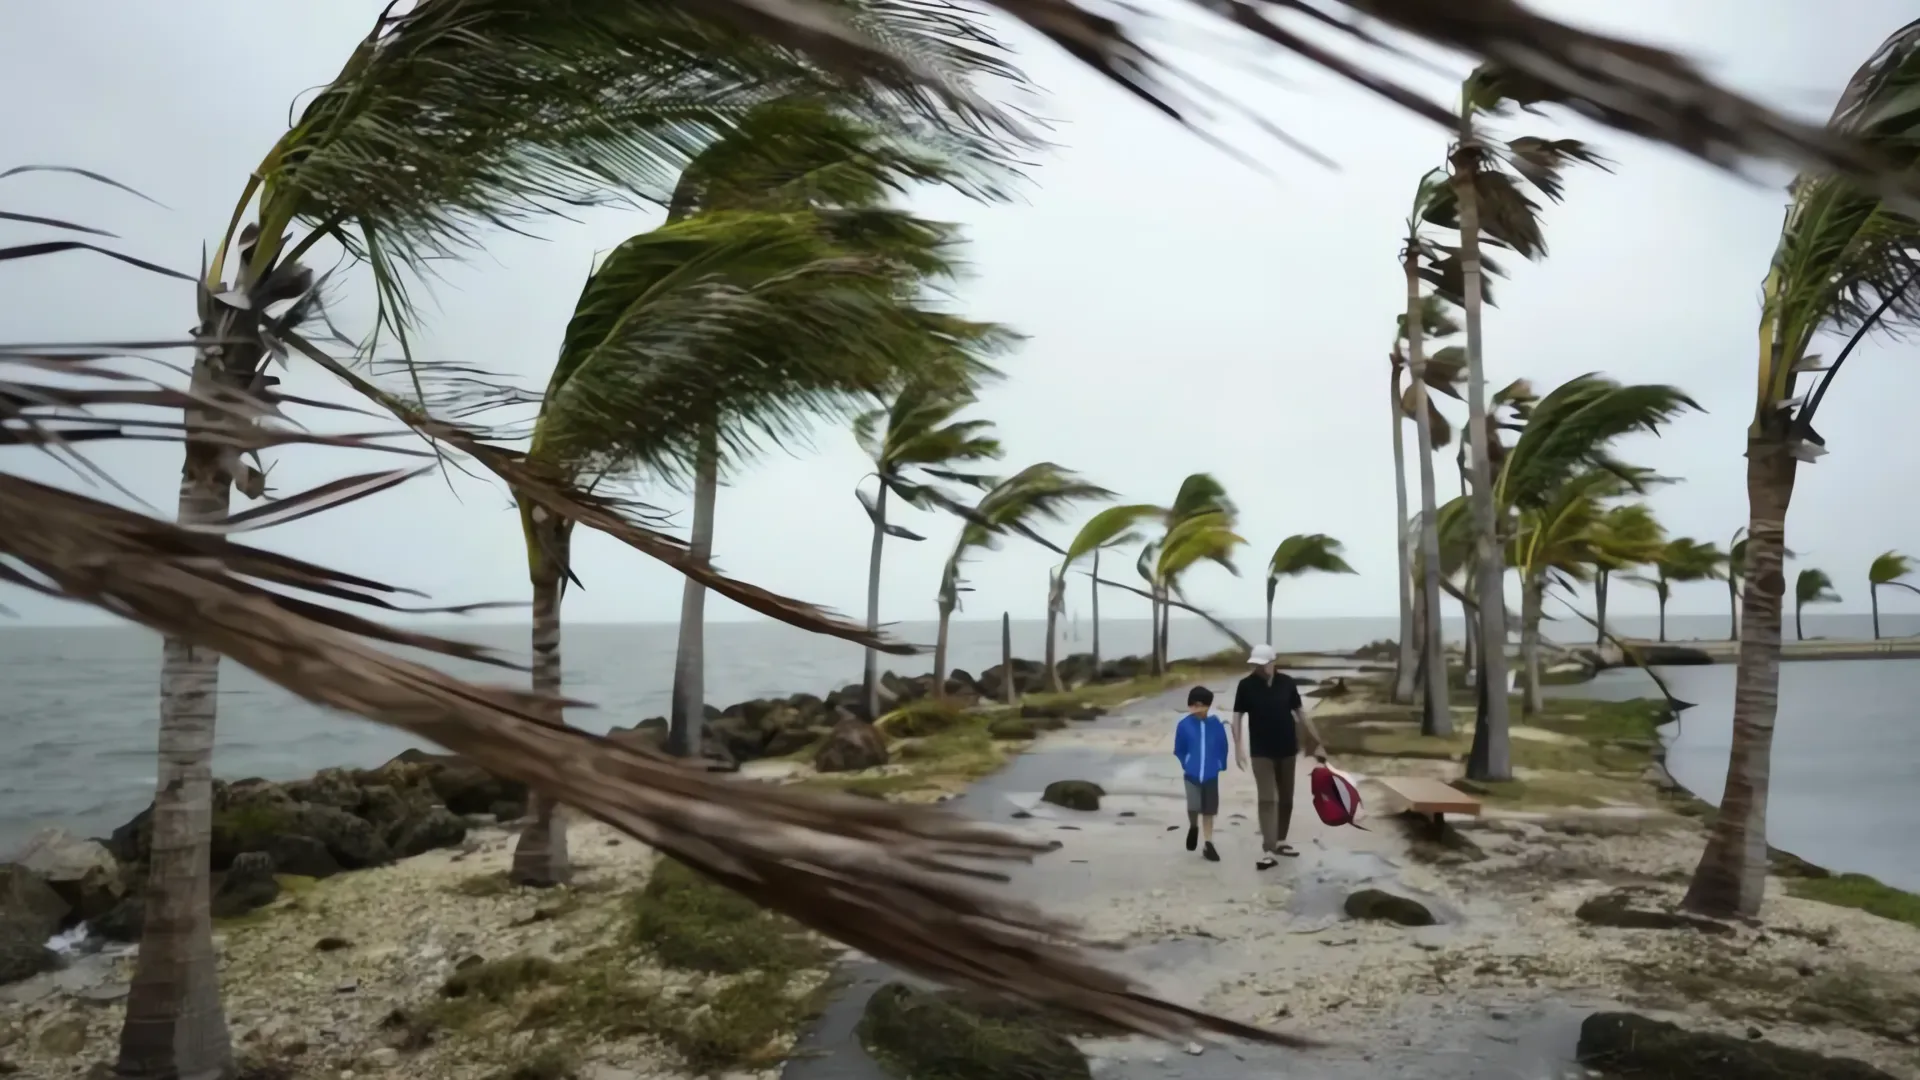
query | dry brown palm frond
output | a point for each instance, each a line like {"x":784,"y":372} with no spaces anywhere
{"x":898,"y":883}
{"x":1622,"y":84}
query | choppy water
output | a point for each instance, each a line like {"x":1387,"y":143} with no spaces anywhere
{"x":79,"y":706}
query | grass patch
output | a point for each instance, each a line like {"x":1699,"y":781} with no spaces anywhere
{"x":1860,"y":891}
{"x":688,"y":922}
{"x":941,"y":1036}
{"x":499,"y":980}
{"x":483,"y":886}
{"x":1739,"y":987}
{"x":918,"y":719}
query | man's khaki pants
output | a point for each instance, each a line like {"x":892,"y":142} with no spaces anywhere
{"x":1273,"y":785}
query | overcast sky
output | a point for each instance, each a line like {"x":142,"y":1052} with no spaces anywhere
{"x":1184,"y":312}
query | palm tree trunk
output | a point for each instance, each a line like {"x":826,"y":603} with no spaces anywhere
{"x":1873,"y":595}
{"x":1269,"y":618}
{"x":1055,"y":595}
{"x":688,"y":712}
{"x":1166,"y":632}
{"x":1489,"y":759}
{"x":175,"y":1026}
{"x":940,"y":653}
{"x":540,"y":855}
{"x":1663,"y":619}
{"x":1437,"y":719}
{"x":1470,"y":641}
{"x":1600,"y":608}
{"x":1405,"y":661}
{"x":1732,"y":875}
{"x":870,"y":674}
{"x":1093,"y":586}
{"x":1530,"y":604}
{"x":1733,"y":609}
{"x":1008,"y":692}
{"x":1798,"y":633}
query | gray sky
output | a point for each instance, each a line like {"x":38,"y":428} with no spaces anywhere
{"x":1185,"y":312}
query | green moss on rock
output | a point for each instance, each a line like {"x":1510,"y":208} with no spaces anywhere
{"x":927,"y":1035}
{"x":1629,"y":1045}
{"x":1378,"y":906}
{"x":689,"y":922}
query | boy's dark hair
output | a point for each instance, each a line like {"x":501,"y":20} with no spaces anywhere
{"x":1199,"y":695}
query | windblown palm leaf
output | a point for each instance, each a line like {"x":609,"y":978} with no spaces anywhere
{"x":1116,"y":526}
{"x":893,"y":881}
{"x":1627,"y":536}
{"x":1037,"y":493}
{"x":1571,"y":429}
{"x":1888,"y":568}
{"x":1814,"y":587}
{"x":1305,"y":554}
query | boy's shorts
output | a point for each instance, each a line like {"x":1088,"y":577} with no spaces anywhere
{"x":1203,"y":799}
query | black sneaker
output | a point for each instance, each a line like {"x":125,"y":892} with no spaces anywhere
{"x":1193,"y":837}
{"x":1211,"y":855}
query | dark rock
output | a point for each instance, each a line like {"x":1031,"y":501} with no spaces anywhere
{"x":1074,"y":794}
{"x":29,"y":908}
{"x":124,"y":923}
{"x":1011,"y":727}
{"x":438,"y":827}
{"x":851,"y":746}
{"x":789,"y":741}
{"x":708,"y":712}
{"x":740,"y":738}
{"x":1378,"y":906}
{"x":332,"y":944}
{"x":302,"y":855}
{"x":22,"y":958}
{"x":248,"y":884}
{"x":953,"y":1037}
{"x":651,"y":732}
{"x":83,"y":872}
{"x":329,"y":787}
{"x":130,"y":842}
{"x":1616,"y":910}
{"x":1629,"y":1045}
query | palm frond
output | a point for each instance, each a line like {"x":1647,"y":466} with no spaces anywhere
{"x":1814,"y":587}
{"x":1113,"y":527}
{"x":1201,"y":493}
{"x":1889,"y":567}
{"x":1570,"y":431}
{"x":1303,"y":554}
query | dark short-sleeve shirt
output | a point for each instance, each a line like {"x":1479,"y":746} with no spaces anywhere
{"x":1269,"y":707}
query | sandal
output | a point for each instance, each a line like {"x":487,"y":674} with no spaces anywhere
{"x":1267,"y":862}
{"x":1286,"y":850}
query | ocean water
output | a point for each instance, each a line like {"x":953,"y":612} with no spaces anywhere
{"x":1845,"y":782}
{"x":79,"y":721}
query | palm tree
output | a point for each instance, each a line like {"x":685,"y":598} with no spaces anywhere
{"x":1811,"y":587}
{"x":1200,"y":497}
{"x":1116,"y":526}
{"x":1626,"y":536}
{"x":789,"y":155}
{"x":1488,"y":182}
{"x":444,"y":119}
{"x":1302,"y":554}
{"x":1420,"y":259}
{"x":1887,"y":569}
{"x":1550,"y":491}
{"x":1846,"y":263}
{"x":912,"y":444}
{"x":1682,"y":559}
{"x":1036,"y":493}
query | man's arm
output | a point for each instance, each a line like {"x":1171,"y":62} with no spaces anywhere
{"x":1239,"y":751}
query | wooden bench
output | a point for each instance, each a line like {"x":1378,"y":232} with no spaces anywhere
{"x":1429,"y":798}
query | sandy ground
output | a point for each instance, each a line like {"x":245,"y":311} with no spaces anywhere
{"x":1274,"y":946}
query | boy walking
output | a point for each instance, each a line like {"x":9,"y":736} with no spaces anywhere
{"x":1200,"y":744}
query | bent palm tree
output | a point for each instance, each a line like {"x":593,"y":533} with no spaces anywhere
{"x":1887,"y":569}
{"x":1624,"y":537}
{"x":1847,"y":263}
{"x":1811,"y":587}
{"x":1116,"y":526}
{"x":1434,"y":322}
{"x":1036,"y":493}
{"x":1682,"y":559}
{"x":912,"y":444}
{"x":1550,"y":491}
{"x":1302,"y":554}
{"x":1200,"y":496}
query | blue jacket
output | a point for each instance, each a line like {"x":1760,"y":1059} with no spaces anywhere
{"x":1201,"y":745}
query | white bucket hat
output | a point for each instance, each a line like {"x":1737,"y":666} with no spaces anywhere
{"x":1261,"y":655}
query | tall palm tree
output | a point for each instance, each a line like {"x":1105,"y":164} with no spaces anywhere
{"x":1625,"y":537}
{"x":1490,"y":203}
{"x":789,"y":155}
{"x":1420,"y":259}
{"x":1202,"y":498}
{"x":444,"y":119}
{"x":1680,"y":560}
{"x":698,"y":339}
{"x":1811,"y":587}
{"x":1887,"y":569}
{"x":1736,"y":575}
{"x":1036,"y":493}
{"x":913,"y":444}
{"x":1847,"y":262}
{"x":1116,"y":526}
{"x":1550,"y":492}
{"x":1302,"y":553}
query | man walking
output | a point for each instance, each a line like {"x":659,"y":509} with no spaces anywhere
{"x":1268,"y":703}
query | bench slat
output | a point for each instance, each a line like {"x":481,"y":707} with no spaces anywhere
{"x":1426,"y":796}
